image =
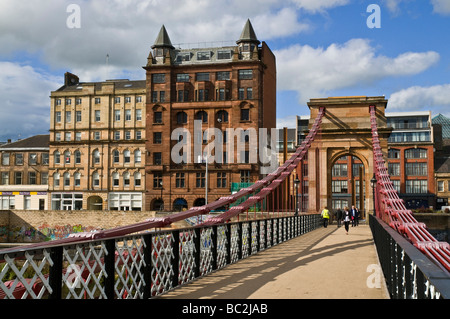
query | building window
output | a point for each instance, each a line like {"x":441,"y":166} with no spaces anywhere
{"x":157,"y":137}
{"x":416,"y":169}
{"x":116,"y":115}
{"x":223,"y":55}
{"x":138,"y":115}
{"x":221,"y":180}
{"x":126,"y":156}
{"x":77,"y":156}
{"x":157,"y":180}
{"x":116,"y":156}
{"x":95,"y":179}
{"x":182,"y":77}
{"x":19,"y":159}
{"x":200,"y":180}
{"x":96,"y":136}
{"x":203,"y":56}
{"x":56,"y":180}
{"x":241,"y":94}
{"x":157,"y":158}
{"x":126,"y":179}
{"x":154,"y":96}
{"x":26,"y":202}
{"x":77,"y":101}
{"x":67,"y":157}
{"x":96,"y":157}
{"x":5,"y":159}
{"x":137,"y":179}
{"x":44,"y":158}
{"x":58,"y":117}
{"x":68,"y":137}
{"x":32,"y":178}
{"x":179,"y":180}
{"x":78,"y":116}
{"x":245,"y":74}
{"x":202,"y":115}
{"x":157,"y":117}
{"x":137,"y":156}
{"x":245,"y":115}
{"x":5,"y":178}
{"x":416,"y":153}
{"x":202,"y":76}
{"x":127,"y":99}
{"x":68,"y":116}
{"x":183,"y":96}
{"x":339,"y":186}
{"x":58,"y":101}
{"x":97,"y":100}
{"x":162,"y":96}
{"x":440,"y":186}
{"x":127,"y":135}
{"x":66,"y":179}
{"x":416,"y":186}
{"x":97,"y":115}
{"x":249,"y":93}
{"x":394,"y":169}
{"x":158,"y":78}
{"x":32,"y":158}
{"x":127,"y":115}
{"x":77,"y":179}
{"x":18,"y":178}
{"x":56,"y":157}
{"x":68,"y":101}
{"x":57,"y":136}
{"x":222,"y":117}
{"x":203,"y":95}
{"x":181,"y":118}
{"x":339,"y":170}
{"x":138,"y":135}
{"x":116,"y":135}
{"x":245,"y":176}
{"x":138,"y":99}
{"x":44,"y":178}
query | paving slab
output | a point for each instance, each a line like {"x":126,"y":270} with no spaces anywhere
{"x":326,"y":263}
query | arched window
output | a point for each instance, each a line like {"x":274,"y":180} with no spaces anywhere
{"x":95,"y":179}
{"x":56,"y":180}
{"x":137,"y":179}
{"x":222,"y":116}
{"x":126,"y":179}
{"x":126,"y":156}
{"x":76,"y":178}
{"x":57,"y":157}
{"x":181,"y":118}
{"x":96,"y":157}
{"x":77,"y":156}
{"x":137,"y":156}
{"x":66,"y":177}
{"x":67,"y":157}
{"x":202,"y":115}
{"x":116,"y":156}
{"x":115,"y":178}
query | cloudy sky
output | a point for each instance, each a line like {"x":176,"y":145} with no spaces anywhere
{"x":323,"y":48}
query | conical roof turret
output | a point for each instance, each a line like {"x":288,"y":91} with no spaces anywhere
{"x":163,"y":40}
{"x":248,"y":34}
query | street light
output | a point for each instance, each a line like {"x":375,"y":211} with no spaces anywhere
{"x":296,"y":184}
{"x":373,"y":182}
{"x":161,"y":207}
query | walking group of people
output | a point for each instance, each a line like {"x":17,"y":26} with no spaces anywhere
{"x":346,"y":216}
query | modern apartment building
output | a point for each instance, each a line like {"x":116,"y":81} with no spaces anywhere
{"x":191,"y":92}
{"x":24,"y":168}
{"x":97,"y":145}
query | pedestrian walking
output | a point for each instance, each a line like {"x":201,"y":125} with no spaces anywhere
{"x":326,"y":216}
{"x":346,"y":218}
{"x":338,"y":217}
{"x":354,"y":215}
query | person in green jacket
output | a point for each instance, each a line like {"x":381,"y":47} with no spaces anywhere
{"x":326,"y":216}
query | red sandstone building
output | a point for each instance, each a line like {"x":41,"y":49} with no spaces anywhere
{"x":225,"y":87}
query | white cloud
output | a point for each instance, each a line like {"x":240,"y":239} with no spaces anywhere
{"x":441,"y":6}
{"x":319,"y":5}
{"x":25,"y":102}
{"x":415,"y":98}
{"x":313,"y":72}
{"x":287,"y":121}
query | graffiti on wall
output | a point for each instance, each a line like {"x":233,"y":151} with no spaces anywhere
{"x":41,"y":233}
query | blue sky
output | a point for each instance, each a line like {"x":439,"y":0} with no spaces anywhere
{"x":323,"y":48}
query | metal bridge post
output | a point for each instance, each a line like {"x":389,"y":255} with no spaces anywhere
{"x":55,"y":275}
{"x":176,"y":257}
{"x":147,"y":293}
{"x":197,"y":248}
{"x":110,"y":260}
{"x":214,"y":239}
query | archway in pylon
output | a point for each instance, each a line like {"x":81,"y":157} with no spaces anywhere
{"x":345,"y":130}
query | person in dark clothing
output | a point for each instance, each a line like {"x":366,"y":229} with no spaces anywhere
{"x":338,"y":217}
{"x":346,"y":218}
{"x":354,"y":215}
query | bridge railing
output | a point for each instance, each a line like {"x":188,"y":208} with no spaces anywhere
{"x":407,"y":273}
{"x":142,"y":265}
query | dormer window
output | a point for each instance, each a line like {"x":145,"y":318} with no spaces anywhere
{"x":204,"y":55}
{"x":223,"y":54}
{"x":183,"y":56}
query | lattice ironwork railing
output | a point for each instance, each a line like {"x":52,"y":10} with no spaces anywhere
{"x":142,"y":265}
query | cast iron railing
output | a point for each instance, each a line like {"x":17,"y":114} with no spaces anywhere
{"x":142,"y":265}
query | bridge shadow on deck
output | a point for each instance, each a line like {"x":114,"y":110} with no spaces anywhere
{"x":293,"y":269}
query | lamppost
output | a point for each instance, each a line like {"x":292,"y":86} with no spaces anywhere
{"x":373,"y":182}
{"x":296,"y":184}
{"x":161,"y":207}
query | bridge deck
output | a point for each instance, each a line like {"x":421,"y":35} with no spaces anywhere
{"x":325,"y":263}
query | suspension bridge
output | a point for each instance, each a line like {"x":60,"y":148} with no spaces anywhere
{"x":147,"y":260}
